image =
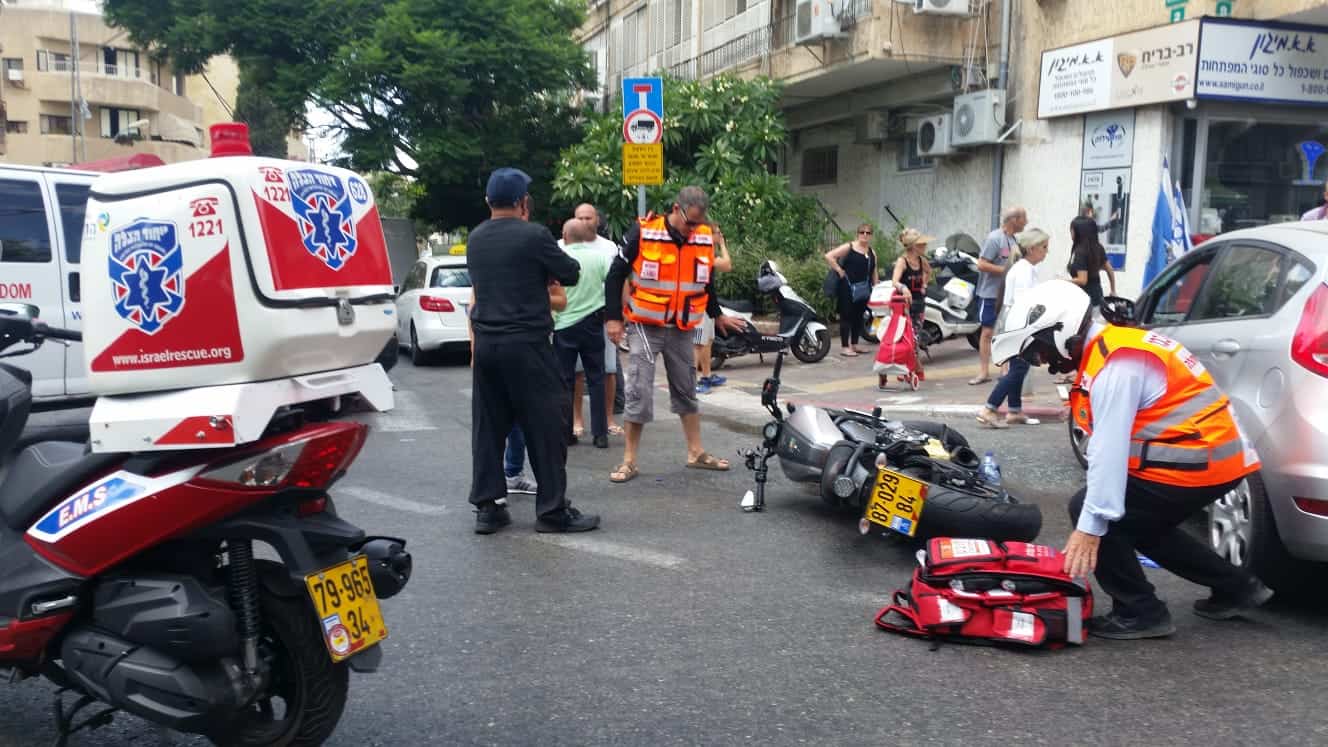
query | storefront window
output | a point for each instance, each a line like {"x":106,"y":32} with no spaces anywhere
{"x":1260,"y":173}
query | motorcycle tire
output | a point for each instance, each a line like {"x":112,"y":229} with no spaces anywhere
{"x":867,"y":329}
{"x":812,"y":355}
{"x":312,"y":688}
{"x":975,"y":339}
{"x":954,"y":513}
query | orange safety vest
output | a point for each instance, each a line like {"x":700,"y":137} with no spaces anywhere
{"x":1188,"y":438}
{"x":668,"y":282}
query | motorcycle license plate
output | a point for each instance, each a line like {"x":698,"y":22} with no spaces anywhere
{"x":896,"y":502}
{"x":348,"y":611}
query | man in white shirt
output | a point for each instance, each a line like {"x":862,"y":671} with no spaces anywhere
{"x":1163,"y":445}
{"x":1320,"y":212}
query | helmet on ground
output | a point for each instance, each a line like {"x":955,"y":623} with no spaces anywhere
{"x":1045,"y":325}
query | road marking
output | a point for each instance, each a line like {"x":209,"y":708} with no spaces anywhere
{"x":408,"y":415}
{"x":391,"y":501}
{"x":612,"y":550}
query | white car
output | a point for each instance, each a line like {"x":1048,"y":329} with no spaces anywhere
{"x":432,"y":307}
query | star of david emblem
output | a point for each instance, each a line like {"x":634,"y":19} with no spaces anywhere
{"x":146,"y":272}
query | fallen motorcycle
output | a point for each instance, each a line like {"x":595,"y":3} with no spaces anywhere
{"x":919,"y":479}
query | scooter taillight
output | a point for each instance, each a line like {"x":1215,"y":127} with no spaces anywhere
{"x":314,"y":459}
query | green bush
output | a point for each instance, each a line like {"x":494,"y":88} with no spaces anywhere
{"x":805,"y":274}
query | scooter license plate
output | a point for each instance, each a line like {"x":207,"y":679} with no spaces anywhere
{"x":347,"y":608}
{"x":896,"y":502}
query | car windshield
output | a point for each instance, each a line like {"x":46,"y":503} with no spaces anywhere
{"x":450,"y":277}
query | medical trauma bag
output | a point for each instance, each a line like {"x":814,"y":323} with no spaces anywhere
{"x":981,"y":591}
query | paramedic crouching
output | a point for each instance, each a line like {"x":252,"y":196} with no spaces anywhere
{"x":1163,"y":444}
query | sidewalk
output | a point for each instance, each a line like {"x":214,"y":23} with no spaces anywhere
{"x":848,"y":382}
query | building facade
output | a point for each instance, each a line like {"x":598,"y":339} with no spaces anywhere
{"x":893,"y":112}
{"x":126,"y":102}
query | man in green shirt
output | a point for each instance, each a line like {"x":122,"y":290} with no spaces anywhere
{"x":578,"y":330}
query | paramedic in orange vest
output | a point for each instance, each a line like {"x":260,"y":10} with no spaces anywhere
{"x":667,"y":263}
{"x":1163,"y":444}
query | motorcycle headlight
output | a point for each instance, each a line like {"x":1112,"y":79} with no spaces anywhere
{"x":770,"y":431}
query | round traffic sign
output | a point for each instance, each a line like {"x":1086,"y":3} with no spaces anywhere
{"x":643,"y":127}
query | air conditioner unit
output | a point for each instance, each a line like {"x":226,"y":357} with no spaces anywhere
{"x":979,"y":117}
{"x":934,"y":136}
{"x":942,"y":7}
{"x":815,"y":20}
{"x":14,"y":76}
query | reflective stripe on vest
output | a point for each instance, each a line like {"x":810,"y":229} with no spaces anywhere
{"x":675,"y":291}
{"x":1189,"y":437}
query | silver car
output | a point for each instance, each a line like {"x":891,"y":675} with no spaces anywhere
{"x":1253,"y":306}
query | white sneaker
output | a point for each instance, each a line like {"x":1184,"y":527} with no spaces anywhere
{"x":520,"y":484}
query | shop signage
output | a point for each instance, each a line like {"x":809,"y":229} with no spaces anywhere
{"x":1104,"y":185}
{"x":1247,"y":61}
{"x":1143,"y":67}
{"x":1109,"y":139}
{"x":1176,"y":8}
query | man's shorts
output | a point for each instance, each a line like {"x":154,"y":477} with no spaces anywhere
{"x":646,"y":344}
{"x":610,"y":357}
{"x":705,"y":334}
{"x":987,"y":312}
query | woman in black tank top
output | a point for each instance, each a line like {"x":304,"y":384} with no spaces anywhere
{"x":913,"y":273}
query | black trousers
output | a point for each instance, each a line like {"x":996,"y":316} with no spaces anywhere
{"x":1151,"y":525}
{"x":851,"y":327}
{"x":518,"y":382}
{"x":585,"y":340}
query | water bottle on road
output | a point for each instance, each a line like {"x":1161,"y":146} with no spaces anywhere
{"x":990,"y":471}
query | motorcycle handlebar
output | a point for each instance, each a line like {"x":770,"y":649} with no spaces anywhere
{"x":56,"y":333}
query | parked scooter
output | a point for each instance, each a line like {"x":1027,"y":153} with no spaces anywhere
{"x":917,"y":478}
{"x":800,"y":329}
{"x":951,"y":304}
{"x":131,"y":581}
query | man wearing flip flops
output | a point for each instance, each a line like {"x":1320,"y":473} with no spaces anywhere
{"x":668,"y":264}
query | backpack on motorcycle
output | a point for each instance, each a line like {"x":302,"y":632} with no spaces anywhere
{"x":986,"y":592}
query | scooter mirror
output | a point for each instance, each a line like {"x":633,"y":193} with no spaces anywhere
{"x":21,"y":310}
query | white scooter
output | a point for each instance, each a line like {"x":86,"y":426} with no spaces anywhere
{"x":951,"y":306}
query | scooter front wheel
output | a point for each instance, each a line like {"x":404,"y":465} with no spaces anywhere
{"x":804,"y":351}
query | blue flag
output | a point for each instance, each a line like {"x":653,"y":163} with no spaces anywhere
{"x":1171,"y":236}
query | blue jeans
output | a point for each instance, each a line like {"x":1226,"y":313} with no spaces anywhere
{"x":514,"y":460}
{"x":1011,"y":386}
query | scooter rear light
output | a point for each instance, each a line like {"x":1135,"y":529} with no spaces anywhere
{"x":1312,"y":506}
{"x":312,"y":462}
{"x":433,"y":303}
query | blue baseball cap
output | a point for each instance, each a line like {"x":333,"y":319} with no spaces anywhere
{"x":507,"y":186}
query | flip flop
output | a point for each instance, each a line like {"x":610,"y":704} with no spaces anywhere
{"x":979,"y":381}
{"x":624,"y":472}
{"x":706,"y":461}
{"x":616,"y":430}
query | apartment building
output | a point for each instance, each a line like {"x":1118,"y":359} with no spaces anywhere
{"x":902,"y":104}
{"x":127,"y":102}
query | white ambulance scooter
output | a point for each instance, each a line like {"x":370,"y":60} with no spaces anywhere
{"x":231,"y":305}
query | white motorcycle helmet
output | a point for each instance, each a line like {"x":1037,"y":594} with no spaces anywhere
{"x":1047,"y":324}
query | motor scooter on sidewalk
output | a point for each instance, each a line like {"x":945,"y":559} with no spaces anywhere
{"x":800,"y":328}
{"x":951,"y":304}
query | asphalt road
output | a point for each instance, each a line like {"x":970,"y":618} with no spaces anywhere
{"x":686,"y":621}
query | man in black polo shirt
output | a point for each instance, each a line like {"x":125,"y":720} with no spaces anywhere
{"x":511,"y":262}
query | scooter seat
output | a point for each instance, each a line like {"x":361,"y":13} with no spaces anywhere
{"x":742,"y":307}
{"x":45,"y":473}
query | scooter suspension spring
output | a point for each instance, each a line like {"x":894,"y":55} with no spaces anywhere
{"x":244,"y":597}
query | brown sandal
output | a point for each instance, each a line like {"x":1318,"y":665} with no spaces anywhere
{"x":706,"y":461}
{"x":624,"y":472}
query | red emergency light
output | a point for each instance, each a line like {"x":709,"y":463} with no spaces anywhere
{"x":230,"y":139}
{"x":121,"y":163}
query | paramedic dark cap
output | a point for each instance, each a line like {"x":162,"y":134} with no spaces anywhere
{"x":506,"y":187}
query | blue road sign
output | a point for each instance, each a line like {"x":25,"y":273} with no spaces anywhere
{"x":643,"y":93}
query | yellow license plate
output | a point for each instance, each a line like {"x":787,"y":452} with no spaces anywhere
{"x":896,"y":502}
{"x":348,"y":611}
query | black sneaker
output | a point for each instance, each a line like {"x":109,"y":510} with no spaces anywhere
{"x":1121,"y":628}
{"x":490,"y":517}
{"x":568,"y":520}
{"x":601,"y":442}
{"x":1224,"y":606}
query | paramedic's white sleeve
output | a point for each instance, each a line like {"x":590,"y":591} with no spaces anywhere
{"x":1130,"y":381}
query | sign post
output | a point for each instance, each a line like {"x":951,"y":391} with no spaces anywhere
{"x":643,"y":135}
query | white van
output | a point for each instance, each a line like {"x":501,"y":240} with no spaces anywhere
{"x":41,"y":227}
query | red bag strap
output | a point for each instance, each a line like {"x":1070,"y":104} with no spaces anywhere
{"x":902,"y":606}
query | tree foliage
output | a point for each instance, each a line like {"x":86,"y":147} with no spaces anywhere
{"x":442,"y":91}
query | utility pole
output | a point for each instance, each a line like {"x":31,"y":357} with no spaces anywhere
{"x":75,"y":111}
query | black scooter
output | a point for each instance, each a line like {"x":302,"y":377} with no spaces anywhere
{"x":800,"y":329}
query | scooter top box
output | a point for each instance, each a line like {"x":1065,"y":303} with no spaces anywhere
{"x":229,"y":270}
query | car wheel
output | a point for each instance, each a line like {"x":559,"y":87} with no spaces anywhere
{"x":418,"y":357}
{"x":1241,"y":529}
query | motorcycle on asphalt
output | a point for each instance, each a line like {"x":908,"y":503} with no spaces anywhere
{"x":800,"y":329}
{"x":131,"y":581}
{"x":918,"y":478}
{"x":951,"y":303}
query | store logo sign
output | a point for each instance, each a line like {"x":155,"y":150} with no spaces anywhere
{"x":1109,"y":136}
{"x":1310,"y":152}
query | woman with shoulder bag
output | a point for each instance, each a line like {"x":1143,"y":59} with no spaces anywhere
{"x":855,"y":263}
